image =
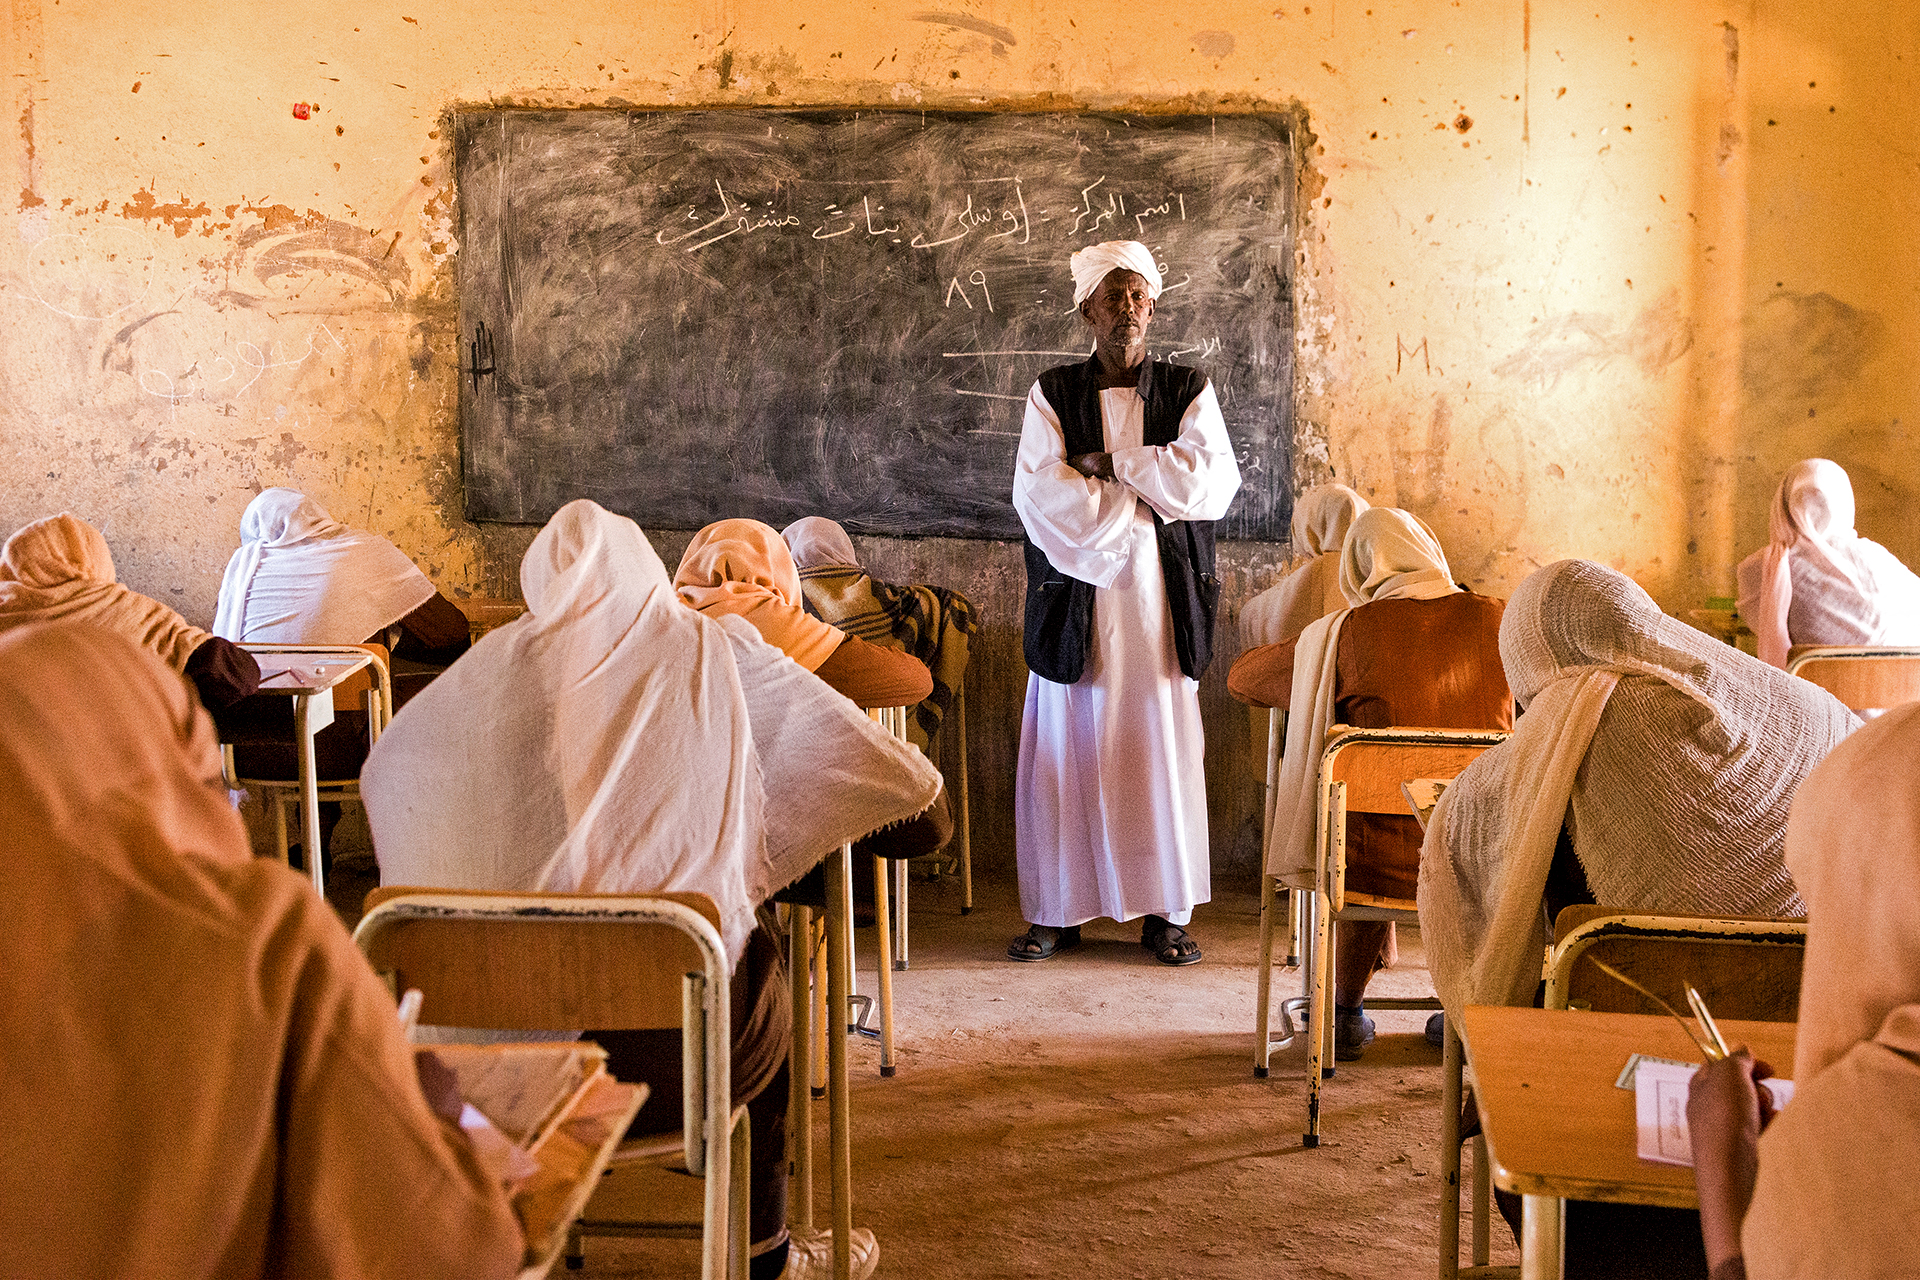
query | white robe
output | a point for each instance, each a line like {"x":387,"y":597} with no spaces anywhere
{"x":1110,"y":802}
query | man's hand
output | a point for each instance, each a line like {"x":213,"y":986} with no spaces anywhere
{"x":1726,"y":1110}
{"x":1094,"y":466}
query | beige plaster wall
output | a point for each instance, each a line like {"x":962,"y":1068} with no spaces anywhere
{"x":1576,"y":279}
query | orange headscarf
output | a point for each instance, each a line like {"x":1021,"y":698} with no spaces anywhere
{"x":59,"y":569}
{"x":743,"y":567}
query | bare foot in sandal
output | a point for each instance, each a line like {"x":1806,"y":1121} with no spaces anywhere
{"x":1169,"y":943}
{"x":1040,"y":941}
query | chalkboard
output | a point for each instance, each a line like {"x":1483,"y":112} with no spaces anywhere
{"x":690,"y":315}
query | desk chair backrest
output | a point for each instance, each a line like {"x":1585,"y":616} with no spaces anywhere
{"x":540,"y":961}
{"x":1361,"y":771}
{"x":1746,"y":969}
{"x":543,"y":961}
{"x":1863,"y":677}
{"x":529,"y":961}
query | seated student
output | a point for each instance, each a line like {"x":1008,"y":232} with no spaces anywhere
{"x":1652,"y":769}
{"x":1817,"y":581}
{"x":1321,"y":519}
{"x":302,"y":577}
{"x":614,"y":741}
{"x":58,"y":569}
{"x":1413,"y":649}
{"x":742,"y":567}
{"x":1828,"y":1189}
{"x":204,"y":1078}
{"x":931,"y":623}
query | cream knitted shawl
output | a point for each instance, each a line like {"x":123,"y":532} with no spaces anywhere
{"x":1670,"y":757}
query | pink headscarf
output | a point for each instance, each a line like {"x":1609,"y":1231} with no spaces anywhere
{"x":1811,"y":515}
{"x":742,"y":566}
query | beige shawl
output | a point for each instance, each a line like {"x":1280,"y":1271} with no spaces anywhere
{"x":302,"y":577}
{"x":742,"y":567}
{"x":1836,"y":1194}
{"x":1321,"y":519}
{"x":1388,"y":555}
{"x":614,"y":741}
{"x":59,"y":569}
{"x":204,"y":1078}
{"x":1670,"y":757}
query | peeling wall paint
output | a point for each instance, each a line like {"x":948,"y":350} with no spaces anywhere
{"x":1571,"y":280}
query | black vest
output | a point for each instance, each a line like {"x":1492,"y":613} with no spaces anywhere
{"x":1059,"y":615}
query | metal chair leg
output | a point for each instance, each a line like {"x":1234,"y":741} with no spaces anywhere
{"x":1263,"y":980}
{"x":799,"y":1063}
{"x":900,"y":881}
{"x":1482,"y":1201}
{"x":1450,"y":1064}
{"x":884,"y":968}
{"x":840,"y":1114}
{"x":1319,"y":1014}
{"x":964,"y":825}
{"x":820,"y":1023}
{"x":1543,"y":1251}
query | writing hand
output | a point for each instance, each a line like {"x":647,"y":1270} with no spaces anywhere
{"x":1094,"y":466}
{"x":1726,"y":1110}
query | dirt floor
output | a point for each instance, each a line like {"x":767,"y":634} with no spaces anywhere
{"x":1097,"y":1115}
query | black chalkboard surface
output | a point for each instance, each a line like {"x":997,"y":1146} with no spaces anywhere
{"x":689,"y":315}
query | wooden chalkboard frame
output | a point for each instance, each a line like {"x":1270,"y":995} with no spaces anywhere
{"x":692,"y":314}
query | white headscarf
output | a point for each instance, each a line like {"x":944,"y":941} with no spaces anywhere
{"x":302,"y":577}
{"x":1321,"y":519}
{"x":1388,"y":554}
{"x":1819,"y":582}
{"x":1676,"y":803}
{"x":613,"y":740}
{"x":1094,"y":263}
{"x":817,"y":542}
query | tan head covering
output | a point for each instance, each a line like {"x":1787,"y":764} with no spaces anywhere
{"x":1676,"y":798}
{"x":614,"y":741}
{"x":1388,"y":554}
{"x":1836,"y":1171}
{"x":203,"y":1076}
{"x":1094,"y":263}
{"x":302,"y":577}
{"x":1819,"y":582}
{"x":819,"y":543}
{"x":1321,"y":519}
{"x":58,"y":569}
{"x":742,"y":567}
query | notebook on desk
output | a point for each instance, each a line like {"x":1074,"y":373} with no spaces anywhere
{"x":1660,"y":1107}
{"x":561,"y":1114}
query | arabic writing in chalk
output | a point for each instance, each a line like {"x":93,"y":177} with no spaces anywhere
{"x":989,"y":209}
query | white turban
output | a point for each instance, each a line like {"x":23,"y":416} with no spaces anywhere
{"x":1092,"y":264}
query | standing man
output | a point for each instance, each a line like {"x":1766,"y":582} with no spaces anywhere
{"x":1124,"y":465}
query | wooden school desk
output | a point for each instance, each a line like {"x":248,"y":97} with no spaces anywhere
{"x":1556,"y":1126}
{"x":308,"y":677}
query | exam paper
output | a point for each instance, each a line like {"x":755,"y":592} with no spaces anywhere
{"x":1660,"y":1108}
